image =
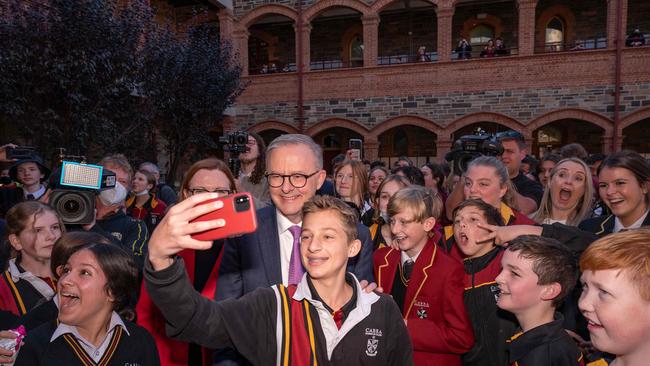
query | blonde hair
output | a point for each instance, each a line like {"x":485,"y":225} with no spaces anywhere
{"x":628,"y":251}
{"x":582,"y":209}
{"x":421,"y":201}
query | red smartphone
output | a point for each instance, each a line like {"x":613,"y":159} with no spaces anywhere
{"x":238,"y":211}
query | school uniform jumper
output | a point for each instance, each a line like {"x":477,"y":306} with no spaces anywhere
{"x":281,"y":325}
{"x":433,"y":303}
{"x":545,"y":345}
{"x":133,"y":346}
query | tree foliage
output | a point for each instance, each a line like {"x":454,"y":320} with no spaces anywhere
{"x":96,"y":77}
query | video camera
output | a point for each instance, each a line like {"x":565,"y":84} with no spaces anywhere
{"x":79,"y":183}
{"x":235,"y":144}
{"x":468,"y":147}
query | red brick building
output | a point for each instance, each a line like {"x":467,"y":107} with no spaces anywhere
{"x":340,"y":69}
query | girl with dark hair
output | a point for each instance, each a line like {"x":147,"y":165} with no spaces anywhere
{"x":375,"y":177}
{"x":208,"y":175}
{"x":142,"y":204}
{"x":97,"y":282}
{"x":253,"y":165}
{"x":624,"y":186}
{"x":434,"y":179}
{"x":33,"y":228}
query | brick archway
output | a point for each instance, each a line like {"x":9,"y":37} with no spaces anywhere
{"x":564,"y":13}
{"x":573,"y":113}
{"x":251,"y":17}
{"x":405,"y":120}
{"x":634,"y":117}
{"x":336,"y":122}
{"x":490,"y":21}
{"x":379,"y":5}
{"x":483,"y":117}
{"x":273,"y":125}
{"x":320,"y":6}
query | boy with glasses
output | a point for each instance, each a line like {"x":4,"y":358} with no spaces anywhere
{"x":426,"y":283}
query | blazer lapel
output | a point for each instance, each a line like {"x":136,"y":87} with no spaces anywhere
{"x":420,"y":274}
{"x":268,"y":240}
{"x":386,"y":270}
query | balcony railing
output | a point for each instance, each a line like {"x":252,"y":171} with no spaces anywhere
{"x":577,"y":45}
{"x":266,"y":69}
{"x":477,"y":52}
{"x":334,"y":64}
{"x":407,"y":59}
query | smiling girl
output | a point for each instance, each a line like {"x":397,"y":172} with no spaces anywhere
{"x":32,"y":228}
{"x":142,"y":204}
{"x":351,"y":182}
{"x":567,"y":198}
{"x":624,"y":186}
{"x":89,"y":330}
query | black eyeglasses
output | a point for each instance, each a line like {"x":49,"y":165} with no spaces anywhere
{"x":220,"y":191}
{"x":297,"y":180}
{"x":510,"y":135}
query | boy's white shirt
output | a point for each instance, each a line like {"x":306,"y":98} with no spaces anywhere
{"x":333,"y":335}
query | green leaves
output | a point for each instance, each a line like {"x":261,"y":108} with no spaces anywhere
{"x":96,"y":79}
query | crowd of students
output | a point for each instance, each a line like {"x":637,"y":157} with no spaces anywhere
{"x":502,"y":264}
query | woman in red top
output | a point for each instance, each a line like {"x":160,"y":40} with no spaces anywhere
{"x":142,"y":204}
{"x":208,"y":175}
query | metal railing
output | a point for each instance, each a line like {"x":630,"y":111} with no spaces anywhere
{"x":334,"y":64}
{"x":265,"y":69}
{"x":477,"y":52}
{"x":407,"y":59}
{"x":577,"y":45}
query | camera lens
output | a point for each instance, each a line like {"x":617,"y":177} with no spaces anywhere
{"x":72,"y":207}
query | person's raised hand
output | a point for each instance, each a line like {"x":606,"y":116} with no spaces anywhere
{"x":3,"y":152}
{"x":173,"y":233}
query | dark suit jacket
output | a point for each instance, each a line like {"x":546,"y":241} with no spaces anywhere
{"x":604,"y":225}
{"x":253,"y":260}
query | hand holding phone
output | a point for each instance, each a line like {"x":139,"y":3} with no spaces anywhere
{"x":174,"y":232}
{"x":355,"y":147}
{"x":237,"y":211}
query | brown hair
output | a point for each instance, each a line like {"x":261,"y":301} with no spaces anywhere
{"x":207,"y":164}
{"x":633,"y":162}
{"x":347,"y":215}
{"x":151,"y":179}
{"x":501,"y":172}
{"x":491,"y":214}
{"x":402,"y":181}
{"x":552,"y":262}
{"x":260,"y":164}
{"x":360,"y":183}
{"x":67,"y":244}
{"x":628,"y":251}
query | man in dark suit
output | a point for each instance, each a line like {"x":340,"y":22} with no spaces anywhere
{"x":294,"y":166}
{"x":261,"y":259}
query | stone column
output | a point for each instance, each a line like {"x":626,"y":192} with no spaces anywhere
{"x":443,"y":146}
{"x":226,"y":24}
{"x":526,"y":20}
{"x":370,"y":148}
{"x":306,"y":45}
{"x":445,"y":14}
{"x":612,"y":16}
{"x":240,"y":47}
{"x":370,"y":40}
{"x":606,"y":142}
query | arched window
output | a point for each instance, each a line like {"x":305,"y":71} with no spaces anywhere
{"x":481,"y":34}
{"x":400,"y":143}
{"x":331,"y":141}
{"x":555,"y":34}
{"x":356,"y":51}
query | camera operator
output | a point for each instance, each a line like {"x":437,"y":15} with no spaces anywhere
{"x":163,"y":191}
{"x":529,"y":192}
{"x":251,"y":175}
{"x":30,"y":173}
{"x":111,"y":222}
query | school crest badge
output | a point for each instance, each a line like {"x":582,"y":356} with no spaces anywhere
{"x":422,"y":313}
{"x":371,"y":348}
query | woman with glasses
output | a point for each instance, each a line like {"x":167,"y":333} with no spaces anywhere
{"x":351,"y":184}
{"x":142,"y":204}
{"x":208,"y":175}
